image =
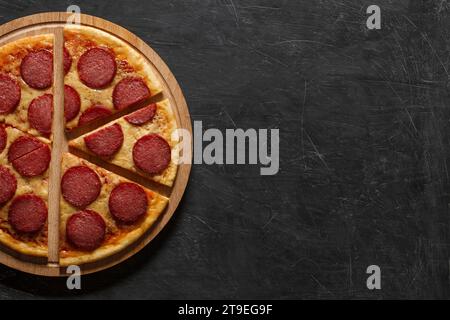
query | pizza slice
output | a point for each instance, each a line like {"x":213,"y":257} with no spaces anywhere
{"x":26,"y":84}
{"x":24,"y":163}
{"x":101,"y":212}
{"x":144,"y":142}
{"x":103,"y":76}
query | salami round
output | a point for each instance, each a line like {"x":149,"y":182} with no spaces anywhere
{"x":106,"y":142}
{"x":72,"y":103}
{"x":152,"y":154}
{"x":40,"y":114}
{"x":80,"y":186}
{"x":3,"y":138}
{"x":37,"y":69}
{"x":9,"y":94}
{"x":86,"y":230}
{"x":27,"y":213}
{"x":34,"y":163}
{"x":67,"y":60}
{"x":130,"y":91}
{"x":8,"y":185}
{"x":128,"y":202}
{"x":142,"y":116}
{"x":95,"y":112}
{"x":97,"y":68}
{"x":22,"y":146}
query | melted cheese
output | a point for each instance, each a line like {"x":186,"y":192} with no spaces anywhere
{"x":129,"y":63}
{"x":117,"y":236}
{"x":33,"y":245}
{"x":163,"y":124}
{"x":11,"y":56}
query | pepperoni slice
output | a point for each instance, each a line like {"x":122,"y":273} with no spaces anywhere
{"x":34,"y":163}
{"x":130,"y":91}
{"x":152,"y":154}
{"x":22,"y":146}
{"x":3,"y":138}
{"x":95,"y":112}
{"x":67,"y":60}
{"x":86,"y":230}
{"x":72,"y":103}
{"x":27,"y":213}
{"x":8,"y":185}
{"x":37,"y":69}
{"x":40,"y":114}
{"x":105,"y":142}
{"x":80,"y":186}
{"x":128,"y":202}
{"x":9,"y":94}
{"x":142,"y":116}
{"x":97,"y":68}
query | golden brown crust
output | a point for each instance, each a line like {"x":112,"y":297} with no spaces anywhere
{"x":118,"y":237}
{"x":78,"y":39}
{"x":22,"y":245}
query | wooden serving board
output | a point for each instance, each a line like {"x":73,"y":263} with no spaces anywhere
{"x":53,"y":22}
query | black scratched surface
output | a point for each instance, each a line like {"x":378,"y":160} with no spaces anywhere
{"x":364,"y":122}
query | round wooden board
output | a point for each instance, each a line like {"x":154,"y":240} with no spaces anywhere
{"x":53,"y":22}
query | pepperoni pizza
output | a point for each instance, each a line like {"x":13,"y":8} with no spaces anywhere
{"x":132,"y":141}
{"x":24,"y":163}
{"x":26,"y":84}
{"x":104,"y":75}
{"x":100,"y":212}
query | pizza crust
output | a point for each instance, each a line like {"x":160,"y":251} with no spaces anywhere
{"x":129,"y":63}
{"x":117,"y":237}
{"x":11,"y":56}
{"x":24,"y":247}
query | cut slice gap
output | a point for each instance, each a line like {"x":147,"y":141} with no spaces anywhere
{"x":58,"y":147}
{"x":42,"y":139}
{"x":79,"y":131}
{"x":152,"y":185}
{"x":159,"y":163}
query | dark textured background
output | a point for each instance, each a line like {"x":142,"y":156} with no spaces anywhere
{"x":364,"y":122}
